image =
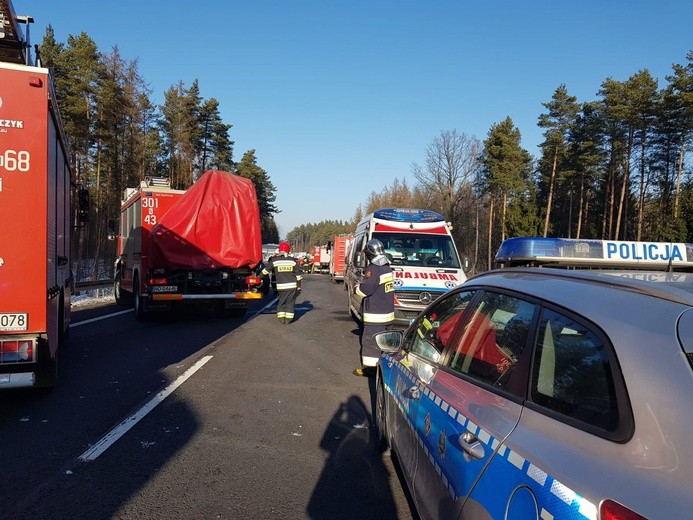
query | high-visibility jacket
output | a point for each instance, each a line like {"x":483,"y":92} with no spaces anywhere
{"x":378,"y":291}
{"x":287,"y":272}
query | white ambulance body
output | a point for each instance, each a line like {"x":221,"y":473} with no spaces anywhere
{"x":422,"y":254}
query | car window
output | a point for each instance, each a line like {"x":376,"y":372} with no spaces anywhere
{"x":494,"y":338}
{"x":435,"y":328}
{"x":572,"y":374}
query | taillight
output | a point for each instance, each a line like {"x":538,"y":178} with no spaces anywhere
{"x":610,"y":510}
{"x":253,"y":280}
{"x":158,"y":281}
{"x":20,"y":351}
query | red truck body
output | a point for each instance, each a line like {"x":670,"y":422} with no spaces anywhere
{"x":194,"y":246}
{"x":321,"y":258}
{"x":340,"y":249}
{"x":35,"y":226}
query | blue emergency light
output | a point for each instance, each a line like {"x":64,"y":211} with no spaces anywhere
{"x":610,"y":254}
{"x":408,"y":215}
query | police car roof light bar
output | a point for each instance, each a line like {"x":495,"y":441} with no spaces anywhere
{"x":609,"y":254}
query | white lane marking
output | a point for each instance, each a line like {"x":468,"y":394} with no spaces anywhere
{"x":92,"y":320}
{"x":120,"y":430}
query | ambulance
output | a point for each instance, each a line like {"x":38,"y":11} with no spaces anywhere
{"x":422,"y":254}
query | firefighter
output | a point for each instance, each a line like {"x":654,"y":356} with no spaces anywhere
{"x":377,"y":289}
{"x":287,"y":275}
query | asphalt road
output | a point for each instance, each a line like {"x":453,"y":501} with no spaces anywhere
{"x":208,"y":418}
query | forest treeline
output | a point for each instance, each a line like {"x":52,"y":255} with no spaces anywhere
{"x":117,"y":137}
{"x":615,"y":167}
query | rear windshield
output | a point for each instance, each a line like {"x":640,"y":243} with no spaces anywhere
{"x":416,"y":249}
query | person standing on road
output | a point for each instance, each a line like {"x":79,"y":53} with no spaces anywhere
{"x":287,"y":274}
{"x":377,"y":289}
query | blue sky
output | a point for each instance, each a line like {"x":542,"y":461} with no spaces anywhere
{"x":339,"y":98}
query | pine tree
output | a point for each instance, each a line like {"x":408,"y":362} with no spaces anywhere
{"x":562,"y":110}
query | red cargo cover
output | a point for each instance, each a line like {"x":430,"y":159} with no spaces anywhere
{"x":216,"y":223}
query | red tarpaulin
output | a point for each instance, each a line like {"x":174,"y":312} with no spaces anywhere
{"x":215,"y":223}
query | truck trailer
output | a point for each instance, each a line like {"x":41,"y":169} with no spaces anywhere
{"x":198,"y":246}
{"x":36,"y":217}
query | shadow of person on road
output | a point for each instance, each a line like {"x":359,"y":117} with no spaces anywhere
{"x":355,"y":482}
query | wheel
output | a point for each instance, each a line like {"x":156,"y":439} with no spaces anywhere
{"x":381,"y":415}
{"x":139,"y":300}
{"x":46,"y":371}
{"x":121,"y":298}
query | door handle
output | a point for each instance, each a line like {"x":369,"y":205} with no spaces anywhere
{"x":472,"y":447}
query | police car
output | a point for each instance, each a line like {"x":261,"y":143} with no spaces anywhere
{"x":558,"y":390}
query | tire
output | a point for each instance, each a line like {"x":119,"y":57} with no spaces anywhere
{"x":380,"y":413}
{"x":138,"y":300}
{"x":47,"y":372}
{"x":121,"y":298}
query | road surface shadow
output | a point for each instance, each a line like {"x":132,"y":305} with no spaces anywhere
{"x":355,"y":482}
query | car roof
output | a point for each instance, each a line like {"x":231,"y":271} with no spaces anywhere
{"x":676,"y":287}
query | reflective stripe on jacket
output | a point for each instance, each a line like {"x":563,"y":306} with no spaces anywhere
{"x":378,"y":291}
{"x":287,"y":272}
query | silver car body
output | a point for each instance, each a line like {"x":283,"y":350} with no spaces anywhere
{"x":476,"y":447}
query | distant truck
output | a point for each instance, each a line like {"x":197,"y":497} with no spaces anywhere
{"x":340,"y":247}
{"x":36,"y":217}
{"x":321,"y":258}
{"x":199,"y":246}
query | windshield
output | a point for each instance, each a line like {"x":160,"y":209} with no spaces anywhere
{"x":419,"y":249}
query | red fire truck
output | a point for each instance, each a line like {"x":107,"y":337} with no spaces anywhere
{"x":199,"y":246}
{"x":340,"y":249}
{"x":35,"y":216}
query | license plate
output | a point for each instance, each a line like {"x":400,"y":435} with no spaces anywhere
{"x":164,"y":288}
{"x":14,"y":321}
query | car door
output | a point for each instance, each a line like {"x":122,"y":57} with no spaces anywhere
{"x":470,"y":406}
{"x":411,"y":369}
{"x":575,"y":420}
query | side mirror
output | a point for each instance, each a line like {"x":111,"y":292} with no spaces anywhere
{"x":389,"y":340}
{"x":112,"y":229}
{"x":466,"y":264}
{"x":360,"y":260}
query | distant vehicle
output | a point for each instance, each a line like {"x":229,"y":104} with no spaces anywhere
{"x":422,"y":254}
{"x":322,"y":255}
{"x":340,"y":247}
{"x":39,"y":206}
{"x":269,"y":250}
{"x":560,"y":391}
{"x":199,"y":246}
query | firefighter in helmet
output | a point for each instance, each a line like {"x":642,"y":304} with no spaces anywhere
{"x":378,"y":306}
{"x":287,"y":274}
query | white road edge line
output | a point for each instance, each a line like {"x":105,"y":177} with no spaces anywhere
{"x":120,"y":430}
{"x":92,"y":320}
